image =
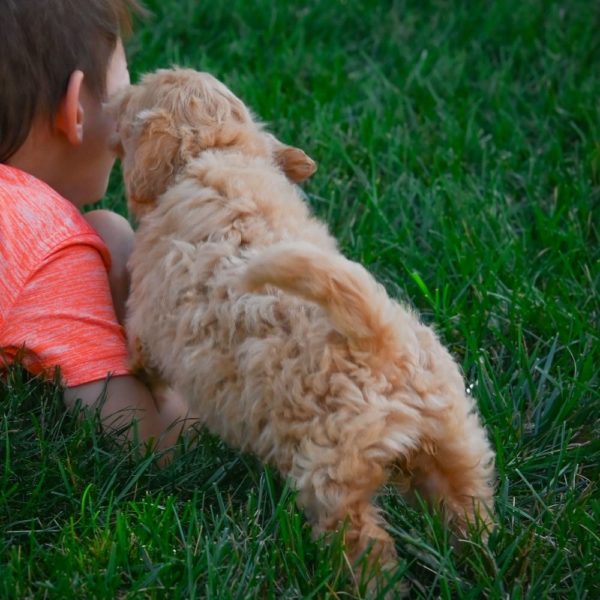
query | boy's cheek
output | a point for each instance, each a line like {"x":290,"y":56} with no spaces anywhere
{"x":117,"y":76}
{"x":115,"y":145}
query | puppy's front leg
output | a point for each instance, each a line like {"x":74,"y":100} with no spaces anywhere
{"x":141,"y":367}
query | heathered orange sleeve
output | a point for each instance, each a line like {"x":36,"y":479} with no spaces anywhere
{"x":64,"y":316}
{"x":55,"y":301}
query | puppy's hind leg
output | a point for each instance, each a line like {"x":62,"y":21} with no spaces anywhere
{"x":335,"y":488}
{"x":454,"y":466}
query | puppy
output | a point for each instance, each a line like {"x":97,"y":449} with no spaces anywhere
{"x":241,"y":301}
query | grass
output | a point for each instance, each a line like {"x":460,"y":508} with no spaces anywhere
{"x":458,"y":145}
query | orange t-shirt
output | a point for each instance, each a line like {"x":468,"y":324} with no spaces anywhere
{"x":55,"y":300}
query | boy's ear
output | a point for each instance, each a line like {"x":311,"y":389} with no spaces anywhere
{"x":69,"y":116}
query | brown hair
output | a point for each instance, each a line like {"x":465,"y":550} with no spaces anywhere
{"x":41,"y":44}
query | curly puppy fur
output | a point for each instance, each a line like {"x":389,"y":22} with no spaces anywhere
{"x":241,"y":301}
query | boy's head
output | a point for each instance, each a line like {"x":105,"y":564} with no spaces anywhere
{"x":59,"y":61}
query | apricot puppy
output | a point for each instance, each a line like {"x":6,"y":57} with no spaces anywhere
{"x":241,"y":301}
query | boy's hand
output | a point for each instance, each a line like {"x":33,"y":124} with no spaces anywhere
{"x":126,"y":399}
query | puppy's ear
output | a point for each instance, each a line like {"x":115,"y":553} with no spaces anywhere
{"x":155,"y":156}
{"x":295,"y":163}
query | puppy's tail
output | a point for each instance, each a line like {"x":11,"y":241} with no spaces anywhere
{"x":358,"y":306}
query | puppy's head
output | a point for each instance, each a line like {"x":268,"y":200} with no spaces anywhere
{"x":172,"y":116}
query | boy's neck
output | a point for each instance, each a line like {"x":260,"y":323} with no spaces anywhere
{"x":68,"y":169}
{"x":41,"y":156}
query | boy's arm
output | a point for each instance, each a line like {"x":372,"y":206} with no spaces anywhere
{"x":64,"y":317}
{"x":124,"y":400}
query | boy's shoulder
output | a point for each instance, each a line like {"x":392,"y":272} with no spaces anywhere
{"x":36,"y":221}
{"x":34,"y":207}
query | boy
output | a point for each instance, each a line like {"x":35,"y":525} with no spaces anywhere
{"x":63,"y":279}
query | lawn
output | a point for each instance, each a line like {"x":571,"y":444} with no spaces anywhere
{"x":459,"y":160}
